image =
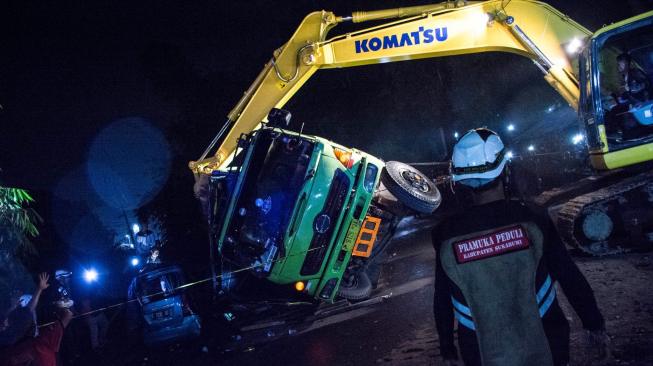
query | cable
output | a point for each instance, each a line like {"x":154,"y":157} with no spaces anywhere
{"x":138,"y":298}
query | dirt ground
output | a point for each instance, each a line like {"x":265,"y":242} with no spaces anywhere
{"x":401,"y":331}
{"x":623,"y":287}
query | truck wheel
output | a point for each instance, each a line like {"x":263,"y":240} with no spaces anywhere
{"x":411,"y":187}
{"x":360,"y":287}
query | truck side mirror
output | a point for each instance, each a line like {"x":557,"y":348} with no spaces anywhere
{"x":279,"y":118}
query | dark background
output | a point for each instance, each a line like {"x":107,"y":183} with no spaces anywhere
{"x":75,"y":73}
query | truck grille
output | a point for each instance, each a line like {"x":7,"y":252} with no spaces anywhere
{"x":332,"y":207}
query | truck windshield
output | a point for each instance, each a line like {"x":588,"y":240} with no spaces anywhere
{"x":275,"y":174}
{"x":625,"y":67}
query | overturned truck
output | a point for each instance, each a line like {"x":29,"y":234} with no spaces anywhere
{"x":305,"y":215}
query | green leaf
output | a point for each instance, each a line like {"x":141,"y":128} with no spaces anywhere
{"x":18,"y":221}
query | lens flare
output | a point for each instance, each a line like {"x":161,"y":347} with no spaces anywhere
{"x":90,"y":275}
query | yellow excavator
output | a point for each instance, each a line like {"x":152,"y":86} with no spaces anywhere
{"x":603,"y":214}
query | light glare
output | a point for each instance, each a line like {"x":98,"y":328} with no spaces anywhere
{"x":484,"y":18}
{"x":577,"y":139}
{"x":90,"y":275}
{"x":574,"y":46}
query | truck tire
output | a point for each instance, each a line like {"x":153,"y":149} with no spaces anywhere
{"x":411,"y":187}
{"x":360,"y":288}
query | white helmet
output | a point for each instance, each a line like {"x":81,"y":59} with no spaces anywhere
{"x":478,"y":157}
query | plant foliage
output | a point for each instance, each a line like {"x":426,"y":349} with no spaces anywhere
{"x":17,"y":220}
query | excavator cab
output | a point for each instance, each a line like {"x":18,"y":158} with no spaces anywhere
{"x":616,"y":104}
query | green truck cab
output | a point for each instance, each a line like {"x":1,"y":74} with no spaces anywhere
{"x":290,"y":209}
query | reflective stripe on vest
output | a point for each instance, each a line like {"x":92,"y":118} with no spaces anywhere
{"x":544,"y":306}
{"x":464,"y":320}
{"x":461,"y":308}
{"x":544,"y":289}
{"x":464,"y":314}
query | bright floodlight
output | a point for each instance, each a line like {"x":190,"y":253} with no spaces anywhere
{"x":481,"y":18}
{"x":509,"y":155}
{"x":511,"y":127}
{"x":455,"y":135}
{"x":574,"y":46}
{"x":135,"y":261}
{"x":531,"y":148}
{"x":90,"y":275}
{"x":577,"y":139}
{"x":136,"y":228}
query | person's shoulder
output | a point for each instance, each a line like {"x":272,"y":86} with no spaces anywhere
{"x":520,"y":208}
{"x":525,"y":213}
{"x":439,"y":231}
{"x":448,"y":226}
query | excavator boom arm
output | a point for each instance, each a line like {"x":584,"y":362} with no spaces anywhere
{"x":525,"y":27}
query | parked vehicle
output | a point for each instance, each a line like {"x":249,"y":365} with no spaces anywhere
{"x":162,"y":310}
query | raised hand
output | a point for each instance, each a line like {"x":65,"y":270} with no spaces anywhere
{"x":43,"y":281}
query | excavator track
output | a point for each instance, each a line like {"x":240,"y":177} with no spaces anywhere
{"x":610,"y":220}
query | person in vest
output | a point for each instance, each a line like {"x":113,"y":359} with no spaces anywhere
{"x":496,"y":269}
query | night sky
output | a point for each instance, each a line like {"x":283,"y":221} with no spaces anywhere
{"x":95,"y":91}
